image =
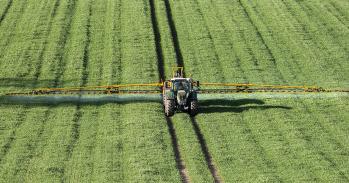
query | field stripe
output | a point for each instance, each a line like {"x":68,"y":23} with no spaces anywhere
{"x":269,"y":51}
{"x":41,"y":56}
{"x":34,"y":144}
{"x":22,"y":157}
{"x":339,"y":9}
{"x":75,"y":135}
{"x":63,"y":41}
{"x":276,"y":42}
{"x":227,"y":41}
{"x":335,"y":12}
{"x":321,"y":153}
{"x":22,"y":48}
{"x":232,"y":43}
{"x":4,"y":13}
{"x":306,"y":26}
{"x":335,"y":142}
{"x":304,"y":134}
{"x":330,"y":33}
{"x":20,"y":119}
{"x":8,"y":35}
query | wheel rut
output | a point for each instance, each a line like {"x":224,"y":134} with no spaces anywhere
{"x":180,"y":163}
{"x":173,"y":30}
{"x":157,"y":39}
{"x":160,"y":62}
{"x":205,"y":151}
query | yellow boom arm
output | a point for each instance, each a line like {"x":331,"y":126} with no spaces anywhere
{"x":156,"y":88}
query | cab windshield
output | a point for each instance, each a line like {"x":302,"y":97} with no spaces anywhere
{"x":182,"y":85}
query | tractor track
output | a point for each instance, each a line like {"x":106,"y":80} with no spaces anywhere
{"x":262,"y":39}
{"x":8,"y":6}
{"x":204,"y":149}
{"x":180,"y":163}
{"x":41,"y":56}
{"x":306,"y":137}
{"x":20,"y":120}
{"x":33,"y":145}
{"x":306,"y":33}
{"x":78,"y":113}
{"x":35,"y":35}
{"x":230,"y":42}
{"x":7,"y":41}
{"x":157,"y":38}
{"x":321,"y":25}
{"x":86,"y":58}
{"x":263,"y":155}
{"x":311,"y":146}
{"x":65,"y":35}
{"x":338,"y":17}
{"x":174,"y":35}
{"x":219,"y":66}
{"x":338,"y":11}
{"x":117,"y":47}
{"x":199,"y":135}
{"x":324,"y":155}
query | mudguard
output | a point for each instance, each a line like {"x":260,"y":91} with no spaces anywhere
{"x":169,"y":94}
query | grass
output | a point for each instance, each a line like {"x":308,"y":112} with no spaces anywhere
{"x":234,"y":138}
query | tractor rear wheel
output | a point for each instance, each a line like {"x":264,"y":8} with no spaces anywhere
{"x":193,"y":110}
{"x":169,"y":107}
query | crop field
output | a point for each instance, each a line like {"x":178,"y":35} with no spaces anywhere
{"x":234,"y":138}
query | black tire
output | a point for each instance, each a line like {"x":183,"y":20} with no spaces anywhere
{"x":169,"y":107}
{"x":193,"y":108}
{"x":164,"y":100}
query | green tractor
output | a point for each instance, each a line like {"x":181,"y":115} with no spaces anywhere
{"x":180,"y":94}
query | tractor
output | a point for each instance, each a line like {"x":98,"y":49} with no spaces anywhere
{"x":180,"y":94}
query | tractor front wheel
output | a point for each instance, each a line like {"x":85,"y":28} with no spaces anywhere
{"x":193,"y":110}
{"x":169,"y":107}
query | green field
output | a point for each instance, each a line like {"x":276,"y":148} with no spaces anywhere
{"x":234,"y":138}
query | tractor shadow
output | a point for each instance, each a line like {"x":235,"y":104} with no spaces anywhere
{"x":236,"y":106}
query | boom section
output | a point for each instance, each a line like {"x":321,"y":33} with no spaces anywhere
{"x":148,"y":88}
{"x":226,"y":88}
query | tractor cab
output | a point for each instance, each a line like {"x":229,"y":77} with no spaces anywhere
{"x":181,"y":89}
